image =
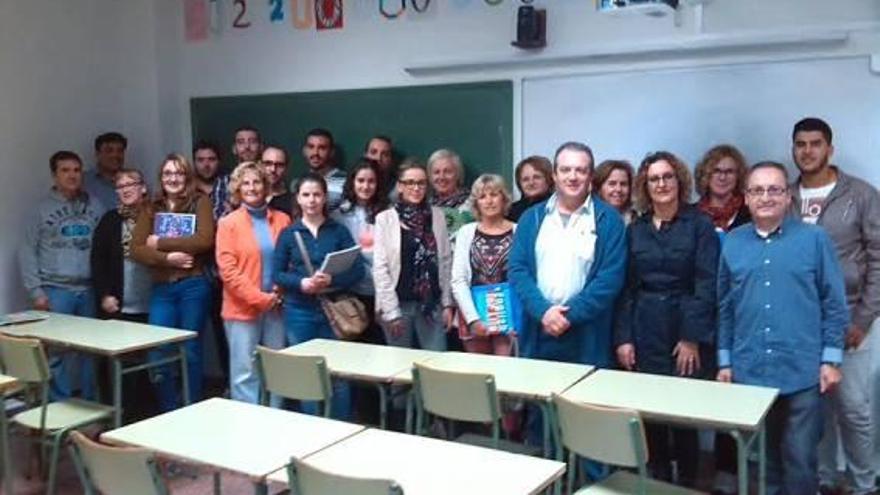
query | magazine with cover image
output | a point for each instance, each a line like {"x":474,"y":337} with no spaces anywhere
{"x":498,"y":307}
{"x":174,"y":224}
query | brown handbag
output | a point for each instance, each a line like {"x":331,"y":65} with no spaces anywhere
{"x":346,"y":313}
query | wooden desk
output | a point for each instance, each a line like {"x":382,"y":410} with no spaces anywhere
{"x":739,"y":409}
{"x":111,"y":338}
{"x":379,"y":365}
{"x":428,"y":466}
{"x":236,"y":436}
{"x":7,"y":383}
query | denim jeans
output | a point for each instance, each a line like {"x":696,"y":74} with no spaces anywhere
{"x":848,"y":421}
{"x":64,"y":365}
{"x":794,"y":428}
{"x":426,"y":332}
{"x":243,"y":338}
{"x":182,"y":304}
{"x":304,"y":323}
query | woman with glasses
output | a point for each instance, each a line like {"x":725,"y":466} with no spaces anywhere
{"x":412,"y":263}
{"x":720,"y":177}
{"x":173,"y":236}
{"x":666,"y":313}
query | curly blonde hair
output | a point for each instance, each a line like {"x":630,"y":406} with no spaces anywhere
{"x":237,"y":177}
{"x":706,"y":165}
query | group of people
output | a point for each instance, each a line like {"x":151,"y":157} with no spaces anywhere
{"x":612,"y":266}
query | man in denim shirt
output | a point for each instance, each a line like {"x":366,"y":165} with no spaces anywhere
{"x":781,"y":321}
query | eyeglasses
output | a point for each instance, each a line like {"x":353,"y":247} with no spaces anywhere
{"x":772,"y":191}
{"x":666,"y":178}
{"x":414,"y":183}
{"x":120,"y":187}
{"x":173,"y":173}
{"x":724,"y":171}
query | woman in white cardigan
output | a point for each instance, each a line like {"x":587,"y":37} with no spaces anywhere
{"x":481,"y":252}
{"x":412,"y":261}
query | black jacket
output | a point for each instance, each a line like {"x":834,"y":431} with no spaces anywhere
{"x":106,"y":259}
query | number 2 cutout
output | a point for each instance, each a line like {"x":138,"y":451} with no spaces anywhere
{"x":277,"y":14}
{"x":239,"y":21}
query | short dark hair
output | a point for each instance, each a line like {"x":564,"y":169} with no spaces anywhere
{"x":573,"y":146}
{"x":380,"y":137}
{"x":275,"y":147}
{"x":769,"y":164}
{"x":110,"y":137}
{"x":203,"y":144}
{"x":319,"y":132}
{"x":810,"y":124}
{"x":248,"y":128}
{"x":62,"y":155}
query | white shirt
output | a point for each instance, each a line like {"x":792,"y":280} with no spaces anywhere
{"x":813,"y":200}
{"x":564,"y":251}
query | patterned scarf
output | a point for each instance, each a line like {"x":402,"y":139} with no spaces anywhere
{"x":418,"y":220}
{"x":129,"y":215}
{"x":454,"y":200}
{"x":721,"y":215}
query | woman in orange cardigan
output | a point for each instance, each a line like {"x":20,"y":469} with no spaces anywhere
{"x":251,"y":302}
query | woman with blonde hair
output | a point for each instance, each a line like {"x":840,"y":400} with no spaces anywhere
{"x":480,"y":258}
{"x":174,"y":236}
{"x":251,"y":311}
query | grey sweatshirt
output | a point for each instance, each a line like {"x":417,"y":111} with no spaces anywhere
{"x":57,"y":242}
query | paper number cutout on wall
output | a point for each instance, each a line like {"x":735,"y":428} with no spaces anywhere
{"x":391,"y":15}
{"x":240,"y":22}
{"x":420,"y":8}
{"x":308,"y":18}
{"x":277,"y":12}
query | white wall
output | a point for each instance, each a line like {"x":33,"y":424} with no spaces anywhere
{"x":68,"y":71}
{"x":371,"y":51}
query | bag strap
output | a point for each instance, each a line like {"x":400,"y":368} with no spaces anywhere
{"x":304,"y":253}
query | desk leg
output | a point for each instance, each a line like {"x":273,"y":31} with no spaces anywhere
{"x":545,"y":419}
{"x":217,"y":483}
{"x":6,"y":467}
{"x":383,"y":406}
{"x":762,"y":461}
{"x":742,"y":461}
{"x":260,"y":488}
{"x":116,"y":364}
{"x":184,"y":377}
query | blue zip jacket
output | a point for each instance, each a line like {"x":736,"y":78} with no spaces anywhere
{"x":591,"y":310}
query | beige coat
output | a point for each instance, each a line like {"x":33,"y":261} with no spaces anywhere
{"x":386,"y":261}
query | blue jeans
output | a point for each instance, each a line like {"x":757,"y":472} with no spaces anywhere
{"x":243,"y":338}
{"x":304,"y":323}
{"x":182,"y":304}
{"x":64,"y":364}
{"x":794,"y":428}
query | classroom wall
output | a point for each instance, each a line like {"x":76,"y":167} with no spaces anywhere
{"x":68,"y":71}
{"x":371,"y":51}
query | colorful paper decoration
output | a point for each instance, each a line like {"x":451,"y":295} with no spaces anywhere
{"x":196,"y":20}
{"x":328,"y":14}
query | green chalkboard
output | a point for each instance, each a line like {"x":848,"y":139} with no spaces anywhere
{"x":474,"y":119}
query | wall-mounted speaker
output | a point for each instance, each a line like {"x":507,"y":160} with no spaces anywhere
{"x":531,"y":28}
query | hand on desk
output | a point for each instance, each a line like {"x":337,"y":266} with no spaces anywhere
{"x":687,"y":358}
{"x":626,"y":356}
{"x":110,"y":304}
{"x":41,"y":303}
{"x":725,"y":375}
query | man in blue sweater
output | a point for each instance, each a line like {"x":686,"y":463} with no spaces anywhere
{"x":567,"y":264}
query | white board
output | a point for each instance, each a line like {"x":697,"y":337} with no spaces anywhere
{"x":687,"y":111}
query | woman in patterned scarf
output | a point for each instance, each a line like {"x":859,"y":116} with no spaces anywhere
{"x":412,"y":262}
{"x":720,"y":177}
{"x":447,"y":189}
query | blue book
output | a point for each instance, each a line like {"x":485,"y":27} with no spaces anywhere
{"x":174,"y":224}
{"x":499,"y":307}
